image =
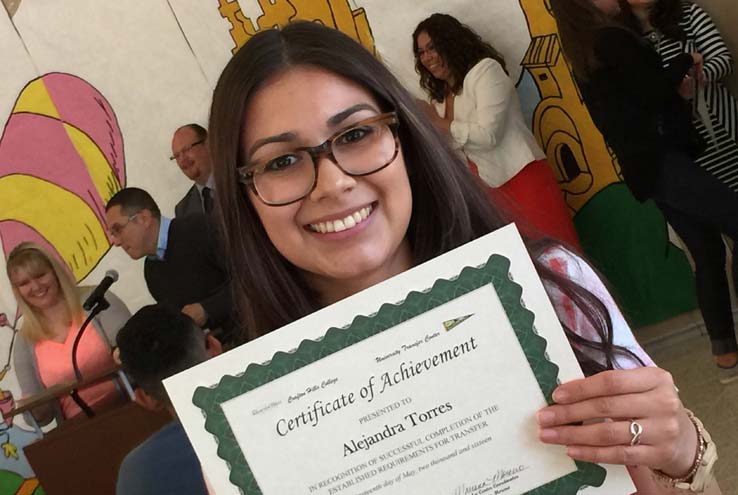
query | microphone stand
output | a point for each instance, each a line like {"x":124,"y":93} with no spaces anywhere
{"x":99,"y":307}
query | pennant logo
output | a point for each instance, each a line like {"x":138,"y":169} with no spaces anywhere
{"x":448,"y":325}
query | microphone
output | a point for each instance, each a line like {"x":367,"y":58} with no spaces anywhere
{"x":98,"y":294}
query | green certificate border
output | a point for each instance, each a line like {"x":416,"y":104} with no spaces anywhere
{"x":495,"y":272}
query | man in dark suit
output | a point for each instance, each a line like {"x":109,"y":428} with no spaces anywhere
{"x":184,"y":262}
{"x":189,"y":149}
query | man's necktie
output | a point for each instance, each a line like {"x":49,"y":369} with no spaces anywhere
{"x":207,"y":199}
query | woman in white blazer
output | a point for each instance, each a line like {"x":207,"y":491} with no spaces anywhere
{"x":474,"y":102}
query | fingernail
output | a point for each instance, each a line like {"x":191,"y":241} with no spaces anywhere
{"x":545,"y":417}
{"x":548,"y":435}
{"x":560,"y":395}
{"x":573,"y":452}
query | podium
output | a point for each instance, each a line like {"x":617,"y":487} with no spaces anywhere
{"x":82,"y":455}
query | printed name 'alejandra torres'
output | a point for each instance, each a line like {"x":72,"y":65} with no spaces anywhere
{"x":411,"y":420}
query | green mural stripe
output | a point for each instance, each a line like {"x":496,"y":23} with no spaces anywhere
{"x":628,"y":242}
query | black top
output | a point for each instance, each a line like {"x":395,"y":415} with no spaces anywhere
{"x":192,"y":271}
{"x":634,"y":103}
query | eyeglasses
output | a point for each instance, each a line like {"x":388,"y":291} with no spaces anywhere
{"x":185,"y":150}
{"x":116,"y":229}
{"x":429,"y":49}
{"x":365,"y":148}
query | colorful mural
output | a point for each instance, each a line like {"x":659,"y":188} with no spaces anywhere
{"x":61,"y":159}
{"x":16,"y":476}
{"x":628,"y":241}
{"x":334,"y":13}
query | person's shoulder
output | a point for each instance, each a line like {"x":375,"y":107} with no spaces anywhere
{"x":140,"y":468}
{"x":560,"y":260}
{"x":190,"y":202}
{"x":189,"y":222}
{"x":192,"y":191}
{"x":484,"y":66}
{"x":142,"y":455}
{"x":692,"y":10}
{"x":137,"y":468}
{"x":696,"y":18}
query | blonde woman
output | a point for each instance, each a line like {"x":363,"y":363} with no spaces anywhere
{"x":52,"y":315}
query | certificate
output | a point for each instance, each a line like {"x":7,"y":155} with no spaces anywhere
{"x":435,"y":392}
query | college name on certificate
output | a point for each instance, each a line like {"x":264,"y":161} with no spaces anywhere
{"x":434,"y":394}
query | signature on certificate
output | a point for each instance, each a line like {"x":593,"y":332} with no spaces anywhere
{"x":497,"y":483}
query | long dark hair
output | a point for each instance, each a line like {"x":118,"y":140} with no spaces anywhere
{"x":665,"y":16}
{"x":459,"y":47}
{"x":449,"y":206}
{"x":578,"y":22}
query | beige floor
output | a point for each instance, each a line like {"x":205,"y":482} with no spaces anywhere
{"x":680,"y":347}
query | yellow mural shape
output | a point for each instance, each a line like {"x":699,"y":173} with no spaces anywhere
{"x":337,"y":14}
{"x":103,"y":176}
{"x":581,"y":160}
{"x":73,"y":229}
{"x":35,"y":98}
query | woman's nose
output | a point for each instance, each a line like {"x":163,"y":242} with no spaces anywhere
{"x":331,"y":180}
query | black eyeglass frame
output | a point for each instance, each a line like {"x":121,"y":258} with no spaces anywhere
{"x":245,"y":174}
{"x":186,"y":149}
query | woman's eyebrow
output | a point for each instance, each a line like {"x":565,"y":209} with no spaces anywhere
{"x":291,"y":136}
{"x":278,"y":138}
{"x":344,"y":114}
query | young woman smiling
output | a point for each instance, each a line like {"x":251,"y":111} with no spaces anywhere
{"x":331,"y":179}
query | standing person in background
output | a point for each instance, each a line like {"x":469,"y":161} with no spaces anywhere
{"x":637,"y":106}
{"x":331,"y":180}
{"x":190,"y":150}
{"x":184,"y":267}
{"x":475,"y":103}
{"x":52,"y":316}
{"x":675,"y":27}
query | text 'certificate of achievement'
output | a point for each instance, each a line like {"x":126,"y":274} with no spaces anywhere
{"x":433,"y":390}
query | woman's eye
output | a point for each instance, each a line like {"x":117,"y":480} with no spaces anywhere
{"x":353,"y":135}
{"x":281,"y":163}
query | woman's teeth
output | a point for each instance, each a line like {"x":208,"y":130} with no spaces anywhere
{"x":345,"y":223}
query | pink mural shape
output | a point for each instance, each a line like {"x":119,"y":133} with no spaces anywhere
{"x":60,"y":132}
{"x":83,"y":106}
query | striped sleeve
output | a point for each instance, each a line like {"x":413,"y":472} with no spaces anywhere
{"x":709,"y":43}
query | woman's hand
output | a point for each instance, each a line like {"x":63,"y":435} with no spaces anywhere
{"x":613,"y":399}
{"x":687,"y":88}
{"x":699,"y":66}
